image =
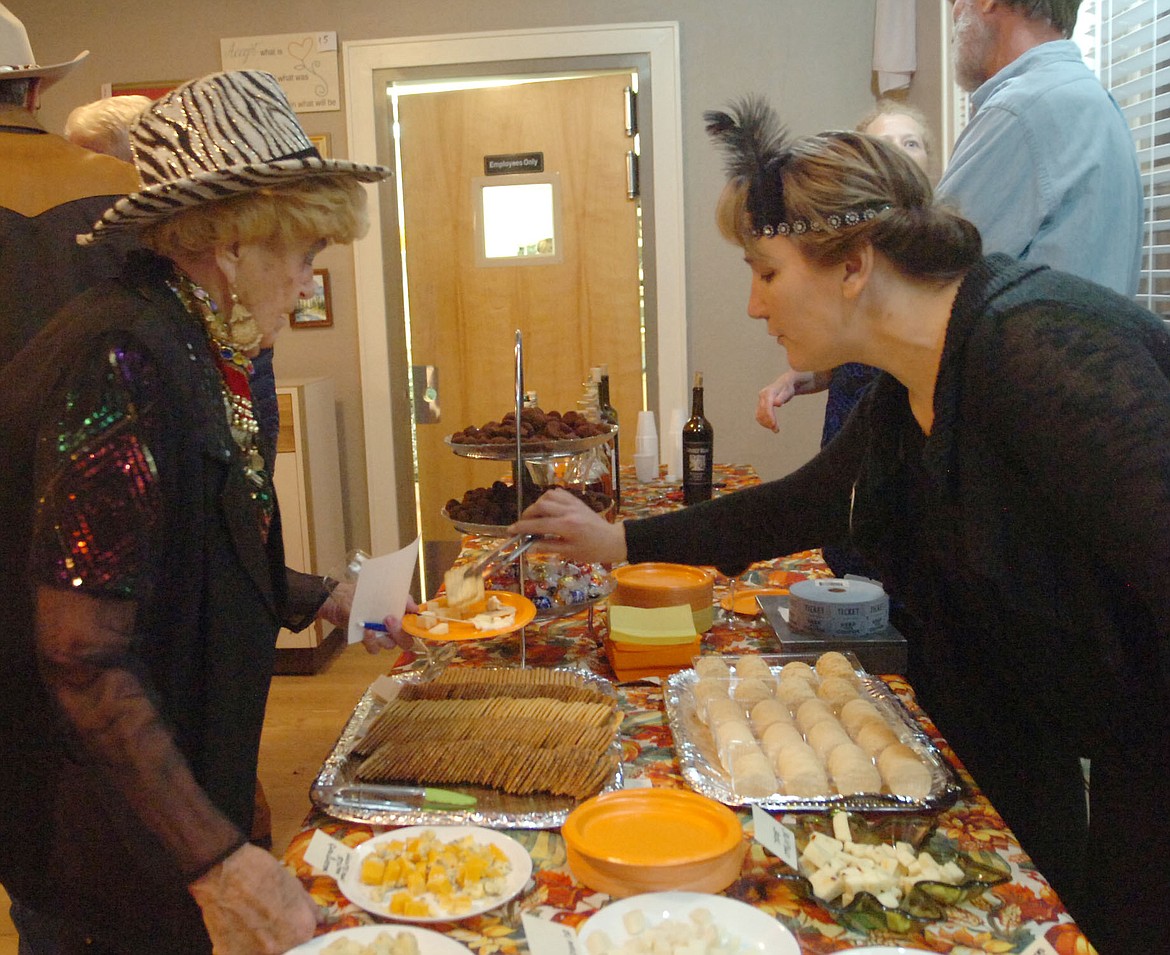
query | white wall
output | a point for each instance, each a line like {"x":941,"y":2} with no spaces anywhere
{"x":811,"y":58}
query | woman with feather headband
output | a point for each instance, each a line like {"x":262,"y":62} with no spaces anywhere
{"x":1008,"y":475}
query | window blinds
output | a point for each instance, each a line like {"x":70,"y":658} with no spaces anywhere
{"x":1128,"y":43}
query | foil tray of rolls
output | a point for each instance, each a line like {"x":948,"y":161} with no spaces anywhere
{"x":746,"y":733}
{"x":574,"y":711}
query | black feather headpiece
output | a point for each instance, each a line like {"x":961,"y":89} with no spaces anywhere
{"x":756,"y":148}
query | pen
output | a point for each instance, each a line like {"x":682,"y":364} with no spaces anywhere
{"x":374,"y":625}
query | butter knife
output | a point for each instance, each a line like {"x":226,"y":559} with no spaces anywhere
{"x":403,"y":797}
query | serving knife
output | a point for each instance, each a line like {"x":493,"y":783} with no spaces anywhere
{"x":400,"y":797}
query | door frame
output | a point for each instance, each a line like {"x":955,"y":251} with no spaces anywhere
{"x":658,"y":42}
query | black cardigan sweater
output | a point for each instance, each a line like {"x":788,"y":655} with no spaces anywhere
{"x":1028,"y":534}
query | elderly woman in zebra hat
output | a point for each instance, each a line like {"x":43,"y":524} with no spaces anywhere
{"x":141,"y":549}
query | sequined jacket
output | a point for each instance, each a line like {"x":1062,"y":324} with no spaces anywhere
{"x":124,"y":375}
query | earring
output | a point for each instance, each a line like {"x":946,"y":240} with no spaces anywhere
{"x":243,"y":332}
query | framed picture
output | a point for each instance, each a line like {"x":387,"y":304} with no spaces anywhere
{"x":320,"y":142}
{"x":150,"y":89}
{"x":316,"y":311}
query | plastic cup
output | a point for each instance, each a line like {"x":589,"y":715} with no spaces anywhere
{"x":646,"y":467}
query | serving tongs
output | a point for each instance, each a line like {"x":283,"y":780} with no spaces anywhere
{"x":498,"y":557}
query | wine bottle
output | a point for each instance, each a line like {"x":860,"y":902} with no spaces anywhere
{"x":610,"y":416}
{"x":698,"y":440}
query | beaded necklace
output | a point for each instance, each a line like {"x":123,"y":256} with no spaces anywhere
{"x":235,"y":369}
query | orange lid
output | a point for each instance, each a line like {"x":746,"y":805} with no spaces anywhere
{"x":662,"y":585}
{"x":656,"y":576}
{"x":652,"y":827}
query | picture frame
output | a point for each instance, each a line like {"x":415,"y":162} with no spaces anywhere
{"x":321,"y":143}
{"x":151,"y":89}
{"x":316,"y":311}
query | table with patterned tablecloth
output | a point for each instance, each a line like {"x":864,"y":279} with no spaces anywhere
{"x":1023,"y":915}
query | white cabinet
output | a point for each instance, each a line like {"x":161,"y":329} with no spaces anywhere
{"x":308,"y":487}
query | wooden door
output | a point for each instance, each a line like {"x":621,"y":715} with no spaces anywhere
{"x":581,"y":311}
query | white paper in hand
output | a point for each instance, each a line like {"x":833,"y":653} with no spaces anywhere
{"x":383,"y":584}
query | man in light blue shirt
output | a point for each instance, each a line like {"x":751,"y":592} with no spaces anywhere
{"x":1046,"y":168}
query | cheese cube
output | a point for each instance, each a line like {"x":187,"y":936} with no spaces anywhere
{"x":841,"y":827}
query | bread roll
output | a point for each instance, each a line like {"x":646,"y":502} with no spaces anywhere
{"x":777,"y":736}
{"x":903,"y":772}
{"x":798,"y":669}
{"x":728,"y":734}
{"x":855,"y":713}
{"x":851,"y":771}
{"x":824,"y":736}
{"x":712,"y":666}
{"x":753,"y":666}
{"x":800,"y":772}
{"x":752,"y":690}
{"x":767,"y":712}
{"x":837,"y":691}
{"x":707,"y":691}
{"x":795,"y":691}
{"x":834,"y":663}
{"x":811,"y":712}
{"x":751,"y":773}
{"x":722,"y":711}
{"x":873,"y":737}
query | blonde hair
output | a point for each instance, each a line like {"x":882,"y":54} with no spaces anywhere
{"x":332,"y":208}
{"x":104,"y":125}
{"x":892,"y":107}
{"x":838,"y":173}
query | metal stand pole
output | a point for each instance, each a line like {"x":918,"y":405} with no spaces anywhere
{"x":518,"y":482}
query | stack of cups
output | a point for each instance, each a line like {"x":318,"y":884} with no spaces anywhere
{"x":646,"y":448}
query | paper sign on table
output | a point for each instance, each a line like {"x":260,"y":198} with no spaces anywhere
{"x":330,"y":855}
{"x":548,"y":938}
{"x":383,"y":584}
{"x":776,"y":838}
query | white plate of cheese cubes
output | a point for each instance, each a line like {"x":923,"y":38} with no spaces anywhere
{"x":685,"y":922}
{"x":434,"y":901}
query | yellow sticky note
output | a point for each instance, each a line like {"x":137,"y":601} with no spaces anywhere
{"x":652,"y":626}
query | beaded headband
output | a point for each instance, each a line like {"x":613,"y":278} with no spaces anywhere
{"x":834,"y":221}
{"x":758,"y":149}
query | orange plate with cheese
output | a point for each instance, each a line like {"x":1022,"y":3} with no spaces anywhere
{"x":418,"y":892}
{"x":465,"y":629}
{"x":745,"y":599}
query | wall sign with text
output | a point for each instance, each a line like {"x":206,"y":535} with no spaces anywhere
{"x":513,"y":163}
{"x":304,"y":63}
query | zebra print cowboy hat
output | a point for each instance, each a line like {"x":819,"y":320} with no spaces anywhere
{"x":221,"y":136}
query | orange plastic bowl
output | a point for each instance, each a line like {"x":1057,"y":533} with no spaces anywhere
{"x":663,"y":585}
{"x":651,"y":840}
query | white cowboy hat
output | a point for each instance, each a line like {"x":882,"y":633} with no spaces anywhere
{"x":213,"y":138}
{"x":16,"y":56}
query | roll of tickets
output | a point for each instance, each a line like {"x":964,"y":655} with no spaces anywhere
{"x":838,"y":608}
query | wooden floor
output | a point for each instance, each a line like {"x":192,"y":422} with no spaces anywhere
{"x":305,"y":717}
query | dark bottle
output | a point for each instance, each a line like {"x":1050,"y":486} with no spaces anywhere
{"x":698,"y":439}
{"x":610,"y":416}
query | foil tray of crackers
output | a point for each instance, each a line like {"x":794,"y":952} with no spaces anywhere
{"x":723,"y":762}
{"x":526,"y":757}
